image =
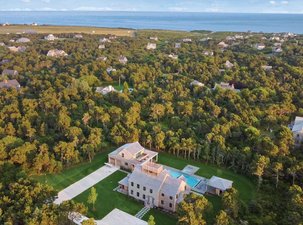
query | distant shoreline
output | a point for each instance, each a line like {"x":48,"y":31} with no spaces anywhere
{"x":175,"y":21}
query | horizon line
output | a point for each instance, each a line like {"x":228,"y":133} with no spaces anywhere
{"x":135,"y":11}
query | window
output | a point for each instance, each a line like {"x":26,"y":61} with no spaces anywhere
{"x":143,"y":196}
{"x":170,"y":205}
{"x":151,"y":191}
{"x":162,"y":194}
{"x":138,"y":185}
{"x":162,"y":202}
{"x":138,"y":194}
{"x":131,"y":192}
{"x":126,"y":164}
{"x":122,"y":155}
{"x":171,"y":197}
{"x":144,"y":188}
{"x":132,"y":184}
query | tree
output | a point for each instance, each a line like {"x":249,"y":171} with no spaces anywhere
{"x":90,"y":221}
{"x":222,"y":218}
{"x":277,"y":167}
{"x":190,"y":211}
{"x":230,"y":201}
{"x":92,"y":197}
{"x":259,"y":166}
{"x":151,"y":220}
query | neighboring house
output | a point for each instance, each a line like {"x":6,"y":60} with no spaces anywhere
{"x":78,"y":36}
{"x":230,"y":38}
{"x":10,"y":84}
{"x":187,"y":40}
{"x":154,"y":38}
{"x":177,"y":45}
{"x":17,"y":49}
{"x":4,"y":61}
{"x":105,"y":90}
{"x":2,"y":44}
{"x":277,"y":50}
{"x":237,"y":36}
{"x":110,"y":69}
{"x":151,"y":46}
{"x":56,"y":53}
{"x":10,"y":72}
{"x":228,"y":64}
{"x":23,"y":40}
{"x":277,"y":44}
{"x":222,"y":44}
{"x":196,"y":83}
{"x":226,"y":86}
{"x":102,"y":58}
{"x":208,"y":53}
{"x":104,"y":40}
{"x":260,"y":46}
{"x":297,"y":130}
{"x":130,"y":155}
{"x":101,"y":46}
{"x":267,"y":68}
{"x":275,"y":38}
{"x":114,"y":37}
{"x":123,"y":59}
{"x":50,"y":37}
{"x":217,"y":185}
{"x":173,"y":56}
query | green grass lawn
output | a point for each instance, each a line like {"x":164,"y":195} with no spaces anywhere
{"x":109,"y":200}
{"x":71,"y":175}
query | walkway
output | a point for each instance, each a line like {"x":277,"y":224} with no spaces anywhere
{"x":85,"y":183}
{"x":142,"y":212}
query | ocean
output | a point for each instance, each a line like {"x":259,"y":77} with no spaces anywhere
{"x":240,"y":22}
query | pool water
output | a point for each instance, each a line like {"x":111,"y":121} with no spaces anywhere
{"x":190,"y":180}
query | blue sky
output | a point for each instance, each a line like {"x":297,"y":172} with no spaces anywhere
{"x":260,"y":6}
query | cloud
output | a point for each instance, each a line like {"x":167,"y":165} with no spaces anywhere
{"x":90,"y":8}
{"x":280,"y":3}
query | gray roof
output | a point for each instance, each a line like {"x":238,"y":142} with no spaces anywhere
{"x":162,"y":183}
{"x":149,"y":181}
{"x":9,"y":84}
{"x":118,"y":217}
{"x":9,"y":72}
{"x":219,"y":183}
{"x":132,"y":148}
{"x":298,"y":125}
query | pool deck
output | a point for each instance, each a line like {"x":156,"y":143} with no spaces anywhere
{"x":200,"y":187}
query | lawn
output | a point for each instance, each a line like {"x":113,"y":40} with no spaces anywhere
{"x":71,"y":175}
{"x":109,"y":200}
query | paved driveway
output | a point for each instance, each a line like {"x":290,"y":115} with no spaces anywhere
{"x":85,"y":183}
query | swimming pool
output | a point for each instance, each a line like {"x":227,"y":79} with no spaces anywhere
{"x":190,"y":180}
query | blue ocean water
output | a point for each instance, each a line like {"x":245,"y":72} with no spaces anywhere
{"x":163,"y":20}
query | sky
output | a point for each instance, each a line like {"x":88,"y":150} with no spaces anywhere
{"x":243,"y":6}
